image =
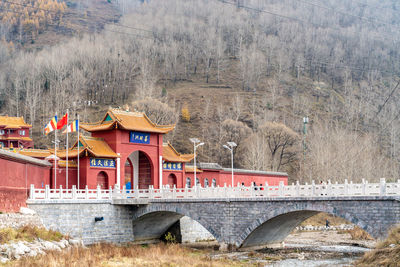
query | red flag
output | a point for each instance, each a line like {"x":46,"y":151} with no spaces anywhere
{"x":62,"y":121}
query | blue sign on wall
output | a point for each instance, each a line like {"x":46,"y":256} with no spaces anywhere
{"x":139,"y":138}
{"x":102,"y":163}
{"x":172,"y":166}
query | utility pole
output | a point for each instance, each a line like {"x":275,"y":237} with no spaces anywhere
{"x":305,"y":122}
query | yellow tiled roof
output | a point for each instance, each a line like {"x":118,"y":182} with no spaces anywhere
{"x":63,"y":163}
{"x":10,"y":126}
{"x":72,"y":153}
{"x":19,"y":138}
{"x":171,"y":155}
{"x":133,"y":121}
{"x":191,"y":169}
{"x":13,"y":122}
{"x":95,"y":146}
{"x":35,"y":153}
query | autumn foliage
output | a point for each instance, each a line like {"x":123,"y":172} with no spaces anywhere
{"x":27,"y":18}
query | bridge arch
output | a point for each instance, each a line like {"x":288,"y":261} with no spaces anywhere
{"x":152,"y":222}
{"x":275,"y":227}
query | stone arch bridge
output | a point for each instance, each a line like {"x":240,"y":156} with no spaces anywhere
{"x":234,"y":222}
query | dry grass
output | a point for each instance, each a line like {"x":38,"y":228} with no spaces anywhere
{"x":28,"y":233}
{"x":358,"y":234}
{"x":386,"y":254}
{"x":129,"y":255}
{"x":320,"y":218}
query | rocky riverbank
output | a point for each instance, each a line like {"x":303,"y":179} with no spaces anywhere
{"x":23,"y":235}
{"x":16,"y":250}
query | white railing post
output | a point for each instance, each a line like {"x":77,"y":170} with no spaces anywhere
{"x":382,"y":186}
{"x":346,"y":187}
{"x":252,"y":193}
{"x":110,"y":193}
{"x":32,"y":192}
{"x":124,"y":192}
{"x":73,"y":191}
{"x":297,"y":188}
{"x":174,"y":192}
{"x":151,"y":191}
{"x":351,"y":188}
{"x":329,"y":188}
{"x":61,"y":192}
{"x":313,"y":188}
{"x":281,"y":189}
{"x":86,"y":192}
{"x":364,"y":185}
{"x":225,"y":190}
{"x":98,"y":191}
{"x":47,"y":192}
{"x":266,"y":189}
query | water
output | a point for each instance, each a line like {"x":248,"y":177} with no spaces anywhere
{"x":301,"y":255}
{"x":312,"y":263}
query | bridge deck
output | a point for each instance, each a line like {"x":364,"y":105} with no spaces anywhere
{"x":323,"y":191}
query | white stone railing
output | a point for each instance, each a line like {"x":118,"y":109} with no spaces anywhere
{"x":294,"y":190}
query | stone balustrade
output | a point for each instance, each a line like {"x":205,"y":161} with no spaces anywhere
{"x":282,"y":191}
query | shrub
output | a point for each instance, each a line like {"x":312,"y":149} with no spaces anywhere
{"x":185,"y":114}
{"x":170,"y":238}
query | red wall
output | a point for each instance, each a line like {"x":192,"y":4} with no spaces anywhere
{"x":62,"y":176}
{"x":88,"y":175}
{"x":118,"y":140}
{"x":180,"y":179}
{"x":223,"y":177}
{"x":15,"y":179}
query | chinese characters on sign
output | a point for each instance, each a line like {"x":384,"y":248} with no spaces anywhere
{"x":103,"y":163}
{"x":172,"y":166}
{"x":139,"y":138}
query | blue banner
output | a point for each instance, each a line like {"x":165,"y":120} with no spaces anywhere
{"x":102,"y":163}
{"x":139,"y":138}
{"x":172,"y":166}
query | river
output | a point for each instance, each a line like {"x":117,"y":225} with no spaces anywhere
{"x":309,"y":249}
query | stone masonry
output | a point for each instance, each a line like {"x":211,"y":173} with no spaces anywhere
{"x":78,"y":220}
{"x":233,"y":222}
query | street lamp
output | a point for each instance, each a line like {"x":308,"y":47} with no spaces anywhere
{"x":230,"y":147}
{"x":196,"y":144}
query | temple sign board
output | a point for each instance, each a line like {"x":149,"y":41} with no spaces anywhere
{"x":139,"y":137}
{"x":102,"y":163}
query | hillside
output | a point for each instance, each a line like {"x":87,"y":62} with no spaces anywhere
{"x":246,"y":72}
{"x":33,"y":25}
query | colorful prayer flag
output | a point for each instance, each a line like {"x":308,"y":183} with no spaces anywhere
{"x":73,"y":127}
{"x":51,"y":126}
{"x":62,"y":122}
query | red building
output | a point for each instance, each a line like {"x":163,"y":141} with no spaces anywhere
{"x":14,"y":133}
{"x":127,"y":148}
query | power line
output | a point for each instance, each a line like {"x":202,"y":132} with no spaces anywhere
{"x":387,"y":99}
{"x":333,"y":65}
{"x":367,"y":19}
{"x":386,"y":34}
{"x":375,"y":7}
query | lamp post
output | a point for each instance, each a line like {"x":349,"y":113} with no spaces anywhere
{"x":230,"y":147}
{"x":196,"y":144}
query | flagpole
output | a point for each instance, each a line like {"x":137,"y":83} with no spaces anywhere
{"x":78,"y":151}
{"x":55,"y":156}
{"x":66,"y":180}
